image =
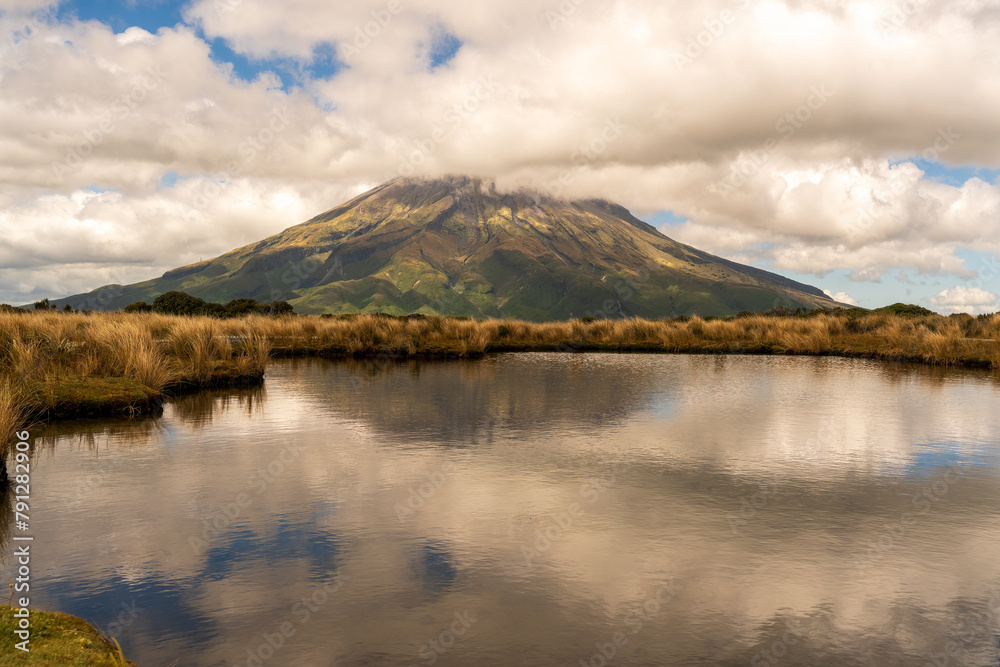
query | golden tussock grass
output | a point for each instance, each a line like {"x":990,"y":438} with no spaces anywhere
{"x":43,"y":353}
{"x":12,"y":413}
{"x":59,"y":363}
{"x":928,"y":339}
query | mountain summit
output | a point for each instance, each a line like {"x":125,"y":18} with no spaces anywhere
{"x":457,"y":246}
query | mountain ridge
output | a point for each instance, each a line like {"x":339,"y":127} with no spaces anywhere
{"x":458,"y":246}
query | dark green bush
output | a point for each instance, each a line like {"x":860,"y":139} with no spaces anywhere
{"x":179,"y":303}
{"x":906,"y":309}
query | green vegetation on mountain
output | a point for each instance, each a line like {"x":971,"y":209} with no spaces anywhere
{"x":179,"y":303}
{"x":458,"y":246}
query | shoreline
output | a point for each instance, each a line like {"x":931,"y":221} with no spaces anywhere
{"x":403,"y":355}
{"x":62,"y":639}
{"x":137,"y":401}
{"x":129,"y":404}
{"x":126,"y":365}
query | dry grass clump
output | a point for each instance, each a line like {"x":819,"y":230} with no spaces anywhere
{"x":128,"y":349}
{"x":255,"y":353}
{"x":61,"y":363}
{"x":198,"y":345}
{"x":12,"y":413}
{"x":928,"y":338}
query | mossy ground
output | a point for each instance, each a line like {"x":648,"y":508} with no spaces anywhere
{"x":92,"y":397}
{"x":57,"y":640}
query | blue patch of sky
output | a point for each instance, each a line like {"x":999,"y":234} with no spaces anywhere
{"x":444,"y":47}
{"x":666,"y":218}
{"x":169,"y":179}
{"x":987,"y":268}
{"x":903,"y":285}
{"x":934,"y":459}
{"x":166,"y":606}
{"x":119,"y":15}
{"x":955,"y":176}
{"x":434,"y":566}
{"x":151,"y":15}
{"x":291,"y":72}
{"x":868,"y":294}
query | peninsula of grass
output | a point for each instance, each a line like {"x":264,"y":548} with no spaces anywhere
{"x":57,"y":365}
{"x":58,"y":639}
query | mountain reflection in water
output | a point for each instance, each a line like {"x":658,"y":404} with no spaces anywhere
{"x":537,"y":509}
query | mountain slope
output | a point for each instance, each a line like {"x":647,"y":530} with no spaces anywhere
{"x":456,"y":246}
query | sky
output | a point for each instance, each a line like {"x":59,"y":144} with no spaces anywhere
{"x":850,"y":145}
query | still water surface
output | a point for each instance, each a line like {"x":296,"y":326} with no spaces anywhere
{"x":537,"y":509}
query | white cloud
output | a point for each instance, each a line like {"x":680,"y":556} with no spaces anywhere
{"x":80,"y":241}
{"x":526,"y":99}
{"x":973,"y":300}
{"x":842,"y":297}
{"x":26,"y":6}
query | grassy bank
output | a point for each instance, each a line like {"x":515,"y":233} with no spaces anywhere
{"x":61,"y":365}
{"x":932,"y":339}
{"x":58,"y":639}
{"x":55,"y":364}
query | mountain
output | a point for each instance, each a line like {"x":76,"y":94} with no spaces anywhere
{"x":458,"y":246}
